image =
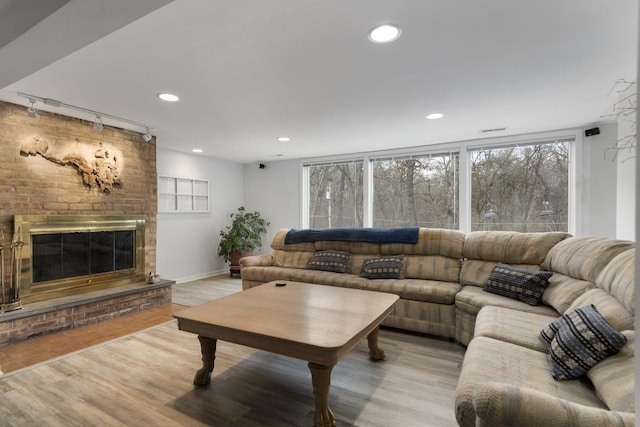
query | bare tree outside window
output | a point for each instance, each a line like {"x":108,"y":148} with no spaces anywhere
{"x":513,"y":188}
{"x":421,"y":190}
{"x":520,"y":188}
{"x":335,"y":195}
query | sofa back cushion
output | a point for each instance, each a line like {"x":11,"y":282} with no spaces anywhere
{"x":563,"y":290}
{"x":351,"y":247}
{"x":510,"y":247}
{"x":436,"y":255}
{"x":584,"y":257}
{"x":484,"y":249}
{"x":618,"y":279}
{"x":431,"y":241}
{"x":608,"y":306}
{"x":354,"y":265}
{"x":432,"y":267}
{"x":291,"y":259}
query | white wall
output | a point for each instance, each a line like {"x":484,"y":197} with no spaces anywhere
{"x":599,"y":183}
{"x":626,"y":189}
{"x":187,"y":243}
{"x":275,"y":192}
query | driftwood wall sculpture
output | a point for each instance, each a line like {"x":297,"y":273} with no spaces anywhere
{"x":100,"y":168}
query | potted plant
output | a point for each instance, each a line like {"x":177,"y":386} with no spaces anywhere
{"x":241,"y":237}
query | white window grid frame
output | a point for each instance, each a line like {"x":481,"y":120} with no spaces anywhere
{"x":462,"y":149}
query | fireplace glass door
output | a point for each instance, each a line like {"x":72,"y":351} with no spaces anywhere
{"x":66,"y":255}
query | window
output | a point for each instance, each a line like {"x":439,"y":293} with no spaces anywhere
{"x":182,"y":194}
{"x":511,"y":184}
{"x":520,"y":188}
{"x":335,"y":194}
{"x":416,"y":190}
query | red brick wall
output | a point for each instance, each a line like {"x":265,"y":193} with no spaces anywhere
{"x":33,"y":185}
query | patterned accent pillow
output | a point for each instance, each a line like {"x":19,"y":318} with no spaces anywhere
{"x":518,"y":283}
{"x":335,"y":261}
{"x":387,"y":267}
{"x":583,"y":339}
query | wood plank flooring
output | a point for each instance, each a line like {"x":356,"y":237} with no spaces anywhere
{"x":145,"y":379}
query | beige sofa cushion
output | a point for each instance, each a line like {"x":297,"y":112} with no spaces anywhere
{"x":472,"y":298}
{"x":618,"y":279}
{"x":614,"y":378}
{"x":432,"y":267}
{"x":417,"y":289}
{"x":351,"y":247}
{"x":499,"y":405}
{"x":563,"y":290}
{"x":584,"y":257}
{"x":431,"y":241}
{"x":510,"y":247}
{"x":354,"y":264}
{"x":488,"y":360}
{"x":610,"y":308}
{"x":513,"y":326}
{"x":291,"y":259}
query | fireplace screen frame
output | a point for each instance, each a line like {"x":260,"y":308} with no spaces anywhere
{"x":28,"y":225}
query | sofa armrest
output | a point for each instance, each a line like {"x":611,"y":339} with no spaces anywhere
{"x":498,"y":404}
{"x":256,"y":261}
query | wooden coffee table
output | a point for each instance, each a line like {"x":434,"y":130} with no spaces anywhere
{"x":319,"y":324}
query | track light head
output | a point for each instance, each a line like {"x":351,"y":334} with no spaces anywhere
{"x":98,"y":125}
{"x":31,"y":111}
{"x":147,"y":136}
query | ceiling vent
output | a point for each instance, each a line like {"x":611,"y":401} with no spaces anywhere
{"x":493,"y":130}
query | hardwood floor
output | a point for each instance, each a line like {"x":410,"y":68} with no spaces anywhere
{"x":145,"y":378}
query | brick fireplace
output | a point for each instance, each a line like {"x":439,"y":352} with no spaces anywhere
{"x":55,"y":180}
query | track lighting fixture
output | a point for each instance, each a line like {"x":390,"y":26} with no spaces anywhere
{"x":31,"y":111}
{"x":147,"y":136}
{"x":98,"y":125}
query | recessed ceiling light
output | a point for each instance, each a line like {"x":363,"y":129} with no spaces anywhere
{"x":384,"y":33}
{"x":284,"y":139}
{"x":435,"y":116}
{"x":168,"y":97}
{"x":197,"y":150}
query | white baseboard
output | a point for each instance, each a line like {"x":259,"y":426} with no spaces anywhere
{"x":201,"y":276}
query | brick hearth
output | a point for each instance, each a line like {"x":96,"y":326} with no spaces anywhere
{"x":55,"y":315}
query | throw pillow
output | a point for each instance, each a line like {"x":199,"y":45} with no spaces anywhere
{"x":518,"y":283}
{"x":583,"y":339}
{"x":335,"y":261}
{"x":387,"y":267}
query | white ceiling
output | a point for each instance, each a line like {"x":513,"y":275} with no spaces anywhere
{"x":249,"y":71}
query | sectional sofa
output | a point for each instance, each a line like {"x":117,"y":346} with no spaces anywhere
{"x":450,"y":285}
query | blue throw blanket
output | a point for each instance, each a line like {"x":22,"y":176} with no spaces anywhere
{"x":352,"y":234}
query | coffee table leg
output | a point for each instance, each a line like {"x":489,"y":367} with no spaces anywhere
{"x":375,"y":353}
{"x":321,"y":380}
{"x":208,"y":349}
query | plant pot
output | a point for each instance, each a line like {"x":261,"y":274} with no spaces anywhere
{"x":234,"y":260}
